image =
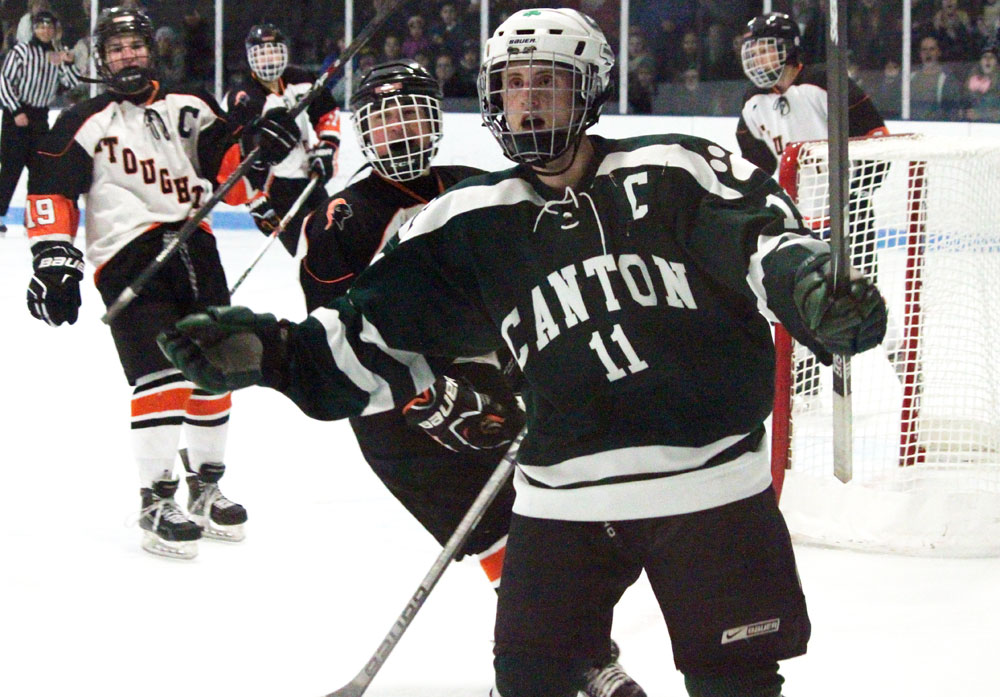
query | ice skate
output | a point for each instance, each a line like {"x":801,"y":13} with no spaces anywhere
{"x":168,"y":532}
{"x":219,"y":518}
{"x":611,"y":680}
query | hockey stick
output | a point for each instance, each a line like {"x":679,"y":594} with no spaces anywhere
{"x":837,"y":132}
{"x":191,"y":224}
{"x":277,"y":231}
{"x":363,"y":679}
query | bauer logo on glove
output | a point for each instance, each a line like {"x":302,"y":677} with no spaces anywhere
{"x":461,"y":419}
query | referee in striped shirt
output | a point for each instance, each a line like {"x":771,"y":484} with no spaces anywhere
{"x":32,"y":73}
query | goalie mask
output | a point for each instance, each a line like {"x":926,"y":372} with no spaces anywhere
{"x":543,"y":82}
{"x":267,"y":51}
{"x":771,"y":42}
{"x":397,"y":119}
{"x":129,"y":67}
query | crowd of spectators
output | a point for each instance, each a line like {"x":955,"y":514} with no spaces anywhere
{"x":683,"y":55}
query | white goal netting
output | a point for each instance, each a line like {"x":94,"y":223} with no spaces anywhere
{"x":925,"y":224}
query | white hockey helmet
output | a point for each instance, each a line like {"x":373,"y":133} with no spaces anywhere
{"x":552,"y":40}
{"x":267,"y":51}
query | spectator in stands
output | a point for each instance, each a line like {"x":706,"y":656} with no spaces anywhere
{"x":392,"y":48}
{"x":989,"y":21}
{"x":447,"y":76}
{"x":983,"y":88}
{"x":416,"y":37}
{"x":468,"y":66}
{"x":720,"y":59}
{"x":333,"y":46}
{"x":688,"y":57}
{"x":638,"y":49}
{"x":169,"y":58}
{"x":424,"y":61}
{"x":199,"y":51}
{"x":687,"y":96}
{"x":887,"y":94}
{"x":957,"y":39}
{"x":642,"y":85}
{"x":448,"y":34}
{"x":934,"y":93}
{"x":79,"y":41}
{"x":874,"y":33}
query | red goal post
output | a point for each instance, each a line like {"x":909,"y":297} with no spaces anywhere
{"x":924,"y":221}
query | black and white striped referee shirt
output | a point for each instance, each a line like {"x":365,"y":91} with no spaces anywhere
{"x":28,"y":79}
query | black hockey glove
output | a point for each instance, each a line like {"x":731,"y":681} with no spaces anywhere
{"x":263,"y":214}
{"x":845,"y":325}
{"x":451,"y":412}
{"x":276,"y":133}
{"x":323,"y":159}
{"x":223,"y":348}
{"x":54,"y":290}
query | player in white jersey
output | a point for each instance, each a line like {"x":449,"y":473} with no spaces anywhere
{"x":145,"y":158}
{"x":788,"y":99}
{"x":270,"y":191}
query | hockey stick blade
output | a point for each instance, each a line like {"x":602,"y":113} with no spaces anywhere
{"x":277,"y":231}
{"x":360,"y":683}
{"x":191,"y":224}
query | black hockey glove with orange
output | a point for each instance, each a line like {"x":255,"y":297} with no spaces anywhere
{"x":54,"y":289}
{"x":323,"y":159}
{"x":847,"y":324}
{"x":262,"y":212}
{"x":451,"y":412}
{"x":276,"y":134}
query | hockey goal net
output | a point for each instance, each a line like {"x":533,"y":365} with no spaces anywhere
{"x":924,"y":219}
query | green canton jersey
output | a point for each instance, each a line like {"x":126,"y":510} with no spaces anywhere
{"x":636,"y":304}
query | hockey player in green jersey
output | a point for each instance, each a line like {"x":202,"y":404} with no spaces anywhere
{"x":633,"y":280}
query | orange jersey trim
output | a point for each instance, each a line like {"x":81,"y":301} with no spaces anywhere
{"x":328,"y":125}
{"x":493,"y":564}
{"x":240,"y":193}
{"x":51,"y":214}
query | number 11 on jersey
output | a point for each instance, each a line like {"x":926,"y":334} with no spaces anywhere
{"x":635,"y":364}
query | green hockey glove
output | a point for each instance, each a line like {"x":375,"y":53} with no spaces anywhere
{"x":223,"y":348}
{"x":845,"y":325}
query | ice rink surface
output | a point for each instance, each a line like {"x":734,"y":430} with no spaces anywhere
{"x":331,"y":559}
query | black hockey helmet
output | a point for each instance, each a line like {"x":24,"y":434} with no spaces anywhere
{"x":389,"y":92}
{"x":116,"y":21}
{"x":394,"y":78}
{"x":770,"y":43}
{"x":267,"y":51}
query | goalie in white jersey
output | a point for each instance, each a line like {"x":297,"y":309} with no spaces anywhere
{"x":145,"y":158}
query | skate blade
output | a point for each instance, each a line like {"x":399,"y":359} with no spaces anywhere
{"x":223,"y":533}
{"x":165,"y":548}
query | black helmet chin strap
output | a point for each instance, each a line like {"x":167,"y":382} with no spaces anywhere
{"x":569,"y":163}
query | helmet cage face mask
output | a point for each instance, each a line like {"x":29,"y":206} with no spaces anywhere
{"x":406,"y":127}
{"x":537,"y":106}
{"x":764,"y":58}
{"x":561,"y":64}
{"x":119,"y":22}
{"x":267,"y":60}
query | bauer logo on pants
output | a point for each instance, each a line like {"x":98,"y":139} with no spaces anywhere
{"x":749,"y":631}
